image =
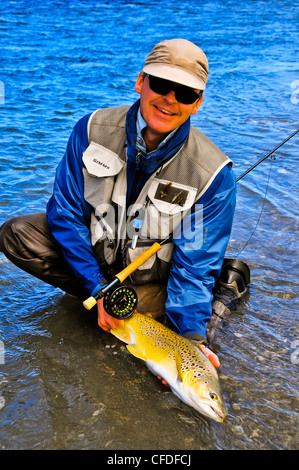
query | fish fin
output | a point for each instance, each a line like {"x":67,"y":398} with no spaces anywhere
{"x":137,"y":351}
{"x":122,"y":332}
{"x":188,"y":377}
{"x":178,"y":361}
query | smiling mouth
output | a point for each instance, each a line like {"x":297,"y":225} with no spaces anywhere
{"x":164,"y":111}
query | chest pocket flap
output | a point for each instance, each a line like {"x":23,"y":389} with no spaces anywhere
{"x":101,"y":162}
{"x":171,"y":198}
{"x":170,"y":203}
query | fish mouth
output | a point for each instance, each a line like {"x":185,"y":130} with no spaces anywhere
{"x":219,"y":414}
{"x":212,"y":412}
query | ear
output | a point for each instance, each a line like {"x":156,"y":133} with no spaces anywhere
{"x":139,"y":82}
{"x":197,"y":105}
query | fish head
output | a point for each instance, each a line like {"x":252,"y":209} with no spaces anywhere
{"x":204,"y":394}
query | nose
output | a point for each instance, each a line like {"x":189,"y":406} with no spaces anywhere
{"x":170,"y":97}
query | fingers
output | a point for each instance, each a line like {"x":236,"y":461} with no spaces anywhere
{"x":163,"y":381}
{"x":210,"y":355}
{"x":106,"y":321}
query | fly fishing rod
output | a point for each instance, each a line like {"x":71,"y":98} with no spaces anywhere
{"x":268,"y":155}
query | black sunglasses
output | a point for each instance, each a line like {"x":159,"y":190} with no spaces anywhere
{"x":183,"y":93}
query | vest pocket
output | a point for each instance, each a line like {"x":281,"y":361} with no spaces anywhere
{"x":100,"y":161}
{"x":156,"y":268}
{"x":169,"y":204}
{"x":101,"y":166}
{"x":101,"y":170}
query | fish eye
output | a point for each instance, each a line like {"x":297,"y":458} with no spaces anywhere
{"x":213,"y":396}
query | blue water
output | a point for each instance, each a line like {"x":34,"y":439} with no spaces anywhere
{"x":64,"y":384}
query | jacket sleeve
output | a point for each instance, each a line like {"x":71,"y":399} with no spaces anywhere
{"x":198,"y":256}
{"x":69,"y":214}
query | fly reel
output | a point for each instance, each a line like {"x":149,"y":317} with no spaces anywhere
{"x":120,"y":302}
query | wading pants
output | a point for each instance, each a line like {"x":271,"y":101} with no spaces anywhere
{"x":27,"y":242}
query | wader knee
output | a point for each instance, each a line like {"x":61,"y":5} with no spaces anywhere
{"x":7,"y":238}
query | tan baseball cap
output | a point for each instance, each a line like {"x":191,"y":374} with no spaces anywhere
{"x":180,"y":61}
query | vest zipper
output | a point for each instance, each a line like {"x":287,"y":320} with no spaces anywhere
{"x":136,"y":178}
{"x":138,"y":221}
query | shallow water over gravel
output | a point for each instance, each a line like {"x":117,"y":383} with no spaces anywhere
{"x":64,"y":384}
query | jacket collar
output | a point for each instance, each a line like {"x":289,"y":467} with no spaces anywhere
{"x":151,"y":161}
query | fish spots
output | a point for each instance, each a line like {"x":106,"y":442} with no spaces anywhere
{"x":188,"y":371}
{"x":168,"y":342}
{"x":157,"y":332}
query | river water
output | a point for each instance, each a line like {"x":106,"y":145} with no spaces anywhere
{"x":65,"y":384}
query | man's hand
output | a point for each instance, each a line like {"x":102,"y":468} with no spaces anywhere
{"x":210,"y":355}
{"x":106,"y":321}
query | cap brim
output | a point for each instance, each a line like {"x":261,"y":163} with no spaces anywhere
{"x":175,"y":74}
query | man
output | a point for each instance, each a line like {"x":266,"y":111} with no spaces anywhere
{"x":146,"y":171}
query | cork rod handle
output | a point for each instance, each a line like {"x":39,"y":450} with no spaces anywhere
{"x":138,"y":262}
{"x":89,"y":303}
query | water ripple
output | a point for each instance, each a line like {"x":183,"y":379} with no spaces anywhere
{"x":60,"y":386}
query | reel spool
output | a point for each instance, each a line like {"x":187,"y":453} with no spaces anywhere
{"x":121,"y":302}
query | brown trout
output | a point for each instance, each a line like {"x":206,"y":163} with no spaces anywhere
{"x":189,"y":373}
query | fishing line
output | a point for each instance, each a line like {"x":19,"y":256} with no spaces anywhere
{"x":273,"y":158}
{"x":261,"y":211}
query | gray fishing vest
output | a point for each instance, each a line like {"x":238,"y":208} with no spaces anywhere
{"x":166,"y":198}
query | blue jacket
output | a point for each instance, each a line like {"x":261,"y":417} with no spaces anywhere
{"x":193,"y":272}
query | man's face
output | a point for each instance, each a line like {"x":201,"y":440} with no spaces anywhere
{"x":162,"y":113}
